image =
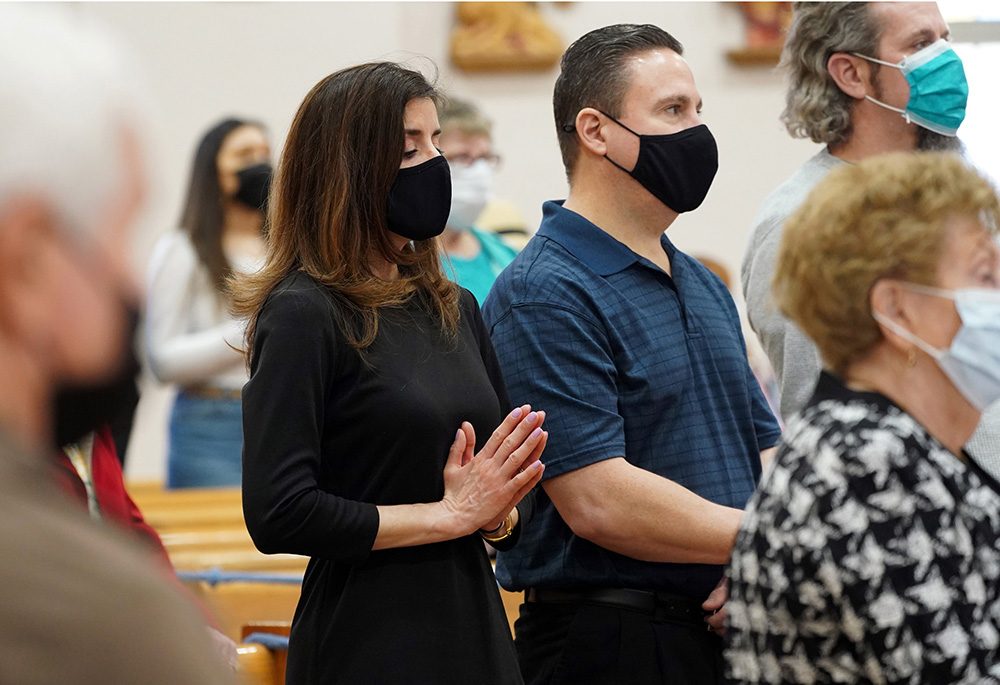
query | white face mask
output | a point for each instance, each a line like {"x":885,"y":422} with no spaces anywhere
{"x":972,"y":362}
{"x":471,"y":189}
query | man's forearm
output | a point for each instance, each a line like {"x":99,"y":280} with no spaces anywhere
{"x":767,"y":456}
{"x":638,"y":514}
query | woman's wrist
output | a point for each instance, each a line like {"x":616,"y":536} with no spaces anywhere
{"x":503,"y":530}
{"x":494,"y":531}
{"x":449,"y":523}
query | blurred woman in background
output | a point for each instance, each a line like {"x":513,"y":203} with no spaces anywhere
{"x":473,"y":257}
{"x":192,"y":338}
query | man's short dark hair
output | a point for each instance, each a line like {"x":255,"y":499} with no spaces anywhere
{"x":593,"y":73}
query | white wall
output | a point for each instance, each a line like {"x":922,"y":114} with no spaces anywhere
{"x":207,"y":60}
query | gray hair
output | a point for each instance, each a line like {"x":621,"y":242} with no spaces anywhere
{"x":464,"y":117}
{"x":68,"y":98}
{"x":815,"y":107}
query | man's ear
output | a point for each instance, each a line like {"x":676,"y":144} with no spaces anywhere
{"x":26,"y":227}
{"x":851,"y":74}
{"x":590,"y":131}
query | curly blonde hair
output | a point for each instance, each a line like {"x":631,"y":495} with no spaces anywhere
{"x":883,"y":218}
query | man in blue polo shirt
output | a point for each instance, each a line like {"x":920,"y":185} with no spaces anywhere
{"x":634,"y":349}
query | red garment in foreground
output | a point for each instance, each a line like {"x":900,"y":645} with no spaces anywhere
{"x":117,"y":508}
{"x":109,"y":486}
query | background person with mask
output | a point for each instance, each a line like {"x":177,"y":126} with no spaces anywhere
{"x":473,"y":257}
{"x":77,"y":604}
{"x":635,"y":350}
{"x":865,"y":78}
{"x":192,"y":339}
{"x":871,"y":551}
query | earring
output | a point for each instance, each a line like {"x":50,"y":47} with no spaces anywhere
{"x":911,"y":358}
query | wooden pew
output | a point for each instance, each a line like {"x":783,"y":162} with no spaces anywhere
{"x":204,"y":528}
{"x":511,"y":606}
{"x":258,"y":666}
{"x":236,"y":604}
{"x":153,"y":491}
{"x":263,"y":666}
{"x":237,"y":560}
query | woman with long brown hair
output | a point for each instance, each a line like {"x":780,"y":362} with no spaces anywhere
{"x":364,"y":362}
{"x":192,"y":339}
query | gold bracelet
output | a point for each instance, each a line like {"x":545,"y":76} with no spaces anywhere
{"x":507,"y":528}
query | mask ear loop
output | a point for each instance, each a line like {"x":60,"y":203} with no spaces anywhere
{"x":898,"y":65}
{"x":911,"y":355}
{"x":570,"y":128}
{"x":930,"y":290}
{"x":621,"y":124}
{"x":627,"y":129}
{"x":903,"y":112}
{"x":909,"y":337}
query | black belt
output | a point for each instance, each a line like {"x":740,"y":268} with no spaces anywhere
{"x":658,"y":604}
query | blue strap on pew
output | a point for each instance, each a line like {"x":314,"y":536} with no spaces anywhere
{"x":214,"y":576}
{"x":268,"y":640}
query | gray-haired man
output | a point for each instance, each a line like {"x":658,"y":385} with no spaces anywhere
{"x":77,"y":605}
{"x":851,"y":66}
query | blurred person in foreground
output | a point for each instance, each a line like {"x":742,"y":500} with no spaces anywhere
{"x":77,"y":603}
{"x":864,"y":79}
{"x":473,"y":257}
{"x":871,"y":550}
{"x":192,"y":339}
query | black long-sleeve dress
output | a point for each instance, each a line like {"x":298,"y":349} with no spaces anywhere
{"x":327,"y":437}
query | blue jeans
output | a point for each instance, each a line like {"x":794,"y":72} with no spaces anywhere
{"x":206,"y":442}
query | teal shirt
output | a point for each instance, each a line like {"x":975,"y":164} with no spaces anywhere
{"x":477,"y":274}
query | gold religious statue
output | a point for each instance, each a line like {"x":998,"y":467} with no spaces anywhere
{"x":503,"y":36}
{"x":766,"y":24}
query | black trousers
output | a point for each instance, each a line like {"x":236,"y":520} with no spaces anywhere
{"x":564,"y":644}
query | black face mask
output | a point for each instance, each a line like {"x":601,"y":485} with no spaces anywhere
{"x":420,"y":200}
{"x":255,"y":185}
{"x":81,"y":409}
{"x":678,"y":168}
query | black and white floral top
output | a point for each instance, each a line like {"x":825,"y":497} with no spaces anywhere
{"x":869,"y":554}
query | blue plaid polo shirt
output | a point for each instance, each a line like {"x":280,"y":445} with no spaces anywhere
{"x":627,"y":362}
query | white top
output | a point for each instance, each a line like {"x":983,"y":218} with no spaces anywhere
{"x":189,"y":329}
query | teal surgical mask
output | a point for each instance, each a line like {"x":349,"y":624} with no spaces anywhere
{"x":972,"y":361}
{"x":938,"y":89}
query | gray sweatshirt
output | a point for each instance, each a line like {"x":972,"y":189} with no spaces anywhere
{"x":793,"y":356}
